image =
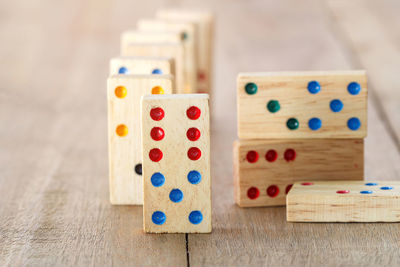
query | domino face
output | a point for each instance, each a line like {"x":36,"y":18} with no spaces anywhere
{"x":173,"y":50}
{"x":344,"y":201}
{"x":265,"y":170}
{"x":142,"y":65}
{"x":302,"y":105}
{"x":124,"y":132}
{"x":176,"y":164}
{"x":205,"y":24}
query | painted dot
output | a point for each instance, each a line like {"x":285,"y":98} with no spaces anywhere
{"x":122,"y":130}
{"x":343,"y":191}
{"x":371,"y":184}
{"x":194,"y":177}
{"x":158,"y":217}
{"x":271,"y":155}
{"x":315,"y":124}
{"x":251,"y":88}
{"x":193,"y":134}
{"x":290,"y":155}
{"x":193,"y":113}
{"x":157,"y":179}
{"x":195,"y":217}
{"x":176,"y":195}
{"x":366,"y":192}
{"x":314,"y":87}
{"x":120,"y":91}
{"x":307,"y":183}
{"x":336,"y":105}
{"x":253,"y":193}
{"x":252,"y":156}
{"x":156,"y":71}
{"x":288,"y":188}
{"x":138,"y":169}
{"x":157,"y":133}
{"x":157,"y":114}
{"x":157,"y":90}
{"x":353,"y":124}
{"x":272,"y":191}
{"x":273,"y":106}
{"x":386,"y":188}
{"x":123,"y":70}
{"x":184,"y":35}
{"x":194,"y":153}
{"x":155,"y":154}
{"x":201,"y":76}
{"x":354,"y":88}
{"x":292,"y":123}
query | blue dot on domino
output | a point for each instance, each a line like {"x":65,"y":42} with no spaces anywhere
{"x":336,"y":105}
{"x":366,"y":192}
{"x":157,"y":179}
{"x":314,"y":87}
{"x":123,"y":70}
{"x":158,"y":217}
{"x":195,"y":217}
{"x":315,"y":124}
{"x":354,"y":88}
{"x":194,"y":177}
{"x":371,"y":184}
{"x":176,"y":195}
{"x":386,"y":188}
{"x":353,"y":124}
{"x":156,"y":71}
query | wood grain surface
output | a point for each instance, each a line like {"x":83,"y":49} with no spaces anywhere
{"x":54,"y":200}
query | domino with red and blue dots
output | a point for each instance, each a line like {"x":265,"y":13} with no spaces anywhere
{"x":344,"y":201}
{"x":282,"y":105}
{"x":265,"y":170}
{"x":176,"y":163}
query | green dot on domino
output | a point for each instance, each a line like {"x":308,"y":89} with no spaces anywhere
{"x":292,"y":124}
{"x":251,"y":88}
{"x":273,"y":106}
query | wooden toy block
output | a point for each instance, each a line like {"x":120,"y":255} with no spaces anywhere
{"x":173,"y":50}
{"x":264,"y":170}
{"x":176,"y":163}
{"x":204,"y":21}
{"x":344,"y":201}
{"x":281,"y":105}
{"x":129,"y":37}
{"x":124,"y":132}
{"x":188,"y":33}
{"x":142,"y":65}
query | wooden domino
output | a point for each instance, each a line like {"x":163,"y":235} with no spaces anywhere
{"x":124,"y":132}
{"x":344,"y":201}
{"x":187,"y":31}
{"x":264,"y":170}
{"x":173,"y":50}
{"x":135,"y":36}
{"x":176,"y":163}
{"x":142,"y":65}
{"x":283,"y":105}
{"x":204,"y":21}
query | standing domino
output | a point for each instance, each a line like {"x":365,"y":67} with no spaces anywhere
{"x":142,"y":65}
{"x":176,"y":163}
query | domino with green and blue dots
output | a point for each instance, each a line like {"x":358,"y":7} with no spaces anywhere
{"x":330,"y":104}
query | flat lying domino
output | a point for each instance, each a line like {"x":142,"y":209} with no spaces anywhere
{"x":265,"y":170}
{"x":344,"y":201}
{"x":176,"y":163}
{"x":142,"y":65}
{"x":280,"y":105}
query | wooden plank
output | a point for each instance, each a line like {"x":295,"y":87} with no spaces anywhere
{"x":344,"y":201}
{"x":124,"y":133}
{"x":142,"y":65}
{"x":176,"y":164}
{"x":302,"y":105}
{"x":265,"y":170}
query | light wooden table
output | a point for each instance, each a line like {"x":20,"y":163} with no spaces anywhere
{"x":54,"y":207}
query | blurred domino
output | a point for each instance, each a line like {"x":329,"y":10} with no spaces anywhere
{"x":129,"y":37}
{"x":264,"y":170}
{"x":142,"y":65}
{"x":124,"y":133}
{"x":344,"y":201}
{"x":176,"y":163}
{"x":302,"y":105}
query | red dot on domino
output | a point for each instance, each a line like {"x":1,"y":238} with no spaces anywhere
{"x":157,"y":114}
{"x":155,"y":154}
{"x":194,"y":153}
{"x":193,"y":134}
{"x":193,"y":113}
{"x":157,"y":133}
